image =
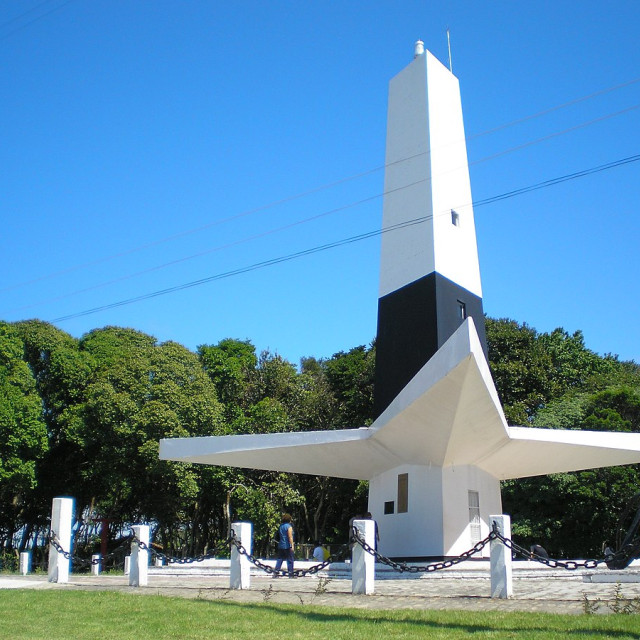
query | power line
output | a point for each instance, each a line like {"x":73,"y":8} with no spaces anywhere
{"x":215,"y":223}
{"x":323,"y":214}
{"x":544,"y":112}
{"x":554,"y":181}
{"x":342,"y":242}
{"x":306,"y":220}
{"x":558,"y":133}
{"x":330,"y":185}
{"x":234,"y":272}
{"x":30,"y":22}
{"x":215,"y":249}
{"x":6,"y":23}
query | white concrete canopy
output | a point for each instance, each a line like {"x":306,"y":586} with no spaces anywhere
{"x":448,"y":415}
{"x":446,"y":432}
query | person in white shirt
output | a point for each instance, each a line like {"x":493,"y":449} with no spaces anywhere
{"x":320,"y":554}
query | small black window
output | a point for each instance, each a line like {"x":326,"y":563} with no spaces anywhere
{"x":462,"y":310}
{"x":389,"y":507}
{"x":455,"y":218}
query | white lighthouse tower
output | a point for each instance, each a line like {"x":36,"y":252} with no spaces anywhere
{"x":429,"y":285}
{"x":440,"y":444}
{"x":429,"y":274}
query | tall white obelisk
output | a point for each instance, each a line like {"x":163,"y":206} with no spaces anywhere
{"x":429,"y":273}
{"x":429,"y":285}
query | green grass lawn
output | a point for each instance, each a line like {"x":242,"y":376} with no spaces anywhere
{"x":78,"y":615}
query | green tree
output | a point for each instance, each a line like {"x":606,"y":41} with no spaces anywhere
{"x":572,"y":514}
{"x":266,"y":416}
{"x":23,"y":434}
{"x":573,"y":365}
{"x":61,"y":370}
{"x":231,"y":366}
{"x":273,"y":397}
{"x":316,"y":406}
{"x":350,"y":376}
{"x":520,"y":367}
{"x":62,"y":373}
{"x":142,"y":392}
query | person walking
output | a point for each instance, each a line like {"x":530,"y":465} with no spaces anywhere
{"x":368,"y":516}
{"x":285,"y":546}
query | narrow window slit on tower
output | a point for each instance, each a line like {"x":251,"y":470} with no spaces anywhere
{"x":403,"y":492}
{"x":474,"y":516}
{"x":462,"y":310}
{"x":455,"y":218}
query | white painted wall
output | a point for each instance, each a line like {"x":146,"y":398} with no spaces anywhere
{"x":419,"y":531}
{"x":455,"y":247}
{"x":407,"y":254}
{"x":457,"y":481}
{"x":437,"y":522}
{"x":427,"y":175}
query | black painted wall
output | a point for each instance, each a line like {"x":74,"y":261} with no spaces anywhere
{"x":413,"y":323}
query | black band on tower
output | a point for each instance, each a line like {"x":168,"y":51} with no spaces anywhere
{"x":413,"y":323}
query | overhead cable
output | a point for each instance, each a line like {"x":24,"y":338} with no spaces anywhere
{"x":336,"y":183}
{"x":338,"y":243}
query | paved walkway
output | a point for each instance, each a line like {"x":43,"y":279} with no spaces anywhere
{"x":541,"y":590}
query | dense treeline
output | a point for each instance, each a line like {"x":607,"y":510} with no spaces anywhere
{"x":83,"y":417}
{"x":552,"y":380}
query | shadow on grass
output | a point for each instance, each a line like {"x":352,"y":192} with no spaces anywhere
{"x":565,"y":624}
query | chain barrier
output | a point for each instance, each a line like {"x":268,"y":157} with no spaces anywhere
{"x":622,"y":558}
{"x":570,"y":565}
{"x":403,"y":567}
{"x":217,"y":550}
{"x":297,"y":573}
{"x":54,"y":541}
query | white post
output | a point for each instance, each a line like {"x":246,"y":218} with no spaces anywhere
{"x":61,"y":515}
{"x":501,"y":570}
{"x":240,"y":567}
{"x":95,"y":564}
{"x":158,"y":562}
{"x":127,"y":565}
{"x":138,"y":569}
{"x":25,"y":562}
{"x":363,"y":564}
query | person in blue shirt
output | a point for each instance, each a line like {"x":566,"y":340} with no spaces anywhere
{"x":285,"y":546}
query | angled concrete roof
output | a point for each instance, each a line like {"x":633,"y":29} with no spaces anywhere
{"x":449,"y":414}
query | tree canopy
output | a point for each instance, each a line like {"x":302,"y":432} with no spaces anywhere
{"x":83,"y":417}
{"x":553,"y":381}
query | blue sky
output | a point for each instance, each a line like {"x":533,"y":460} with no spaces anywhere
{"x":147,"y":145}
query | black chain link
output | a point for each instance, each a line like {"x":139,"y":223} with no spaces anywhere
{"x":296,"y":573}
{"x":623,"y":557}
{"x":233,"y":540}
{"x":403,"y":567}
{"x":220,"y":548}
{"x":54,"y":541}
{"x":570,"y":565}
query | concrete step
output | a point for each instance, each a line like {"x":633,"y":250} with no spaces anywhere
{"x":473,"y":569}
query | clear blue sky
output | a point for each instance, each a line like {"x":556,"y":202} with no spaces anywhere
{"x":146,"y":145}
